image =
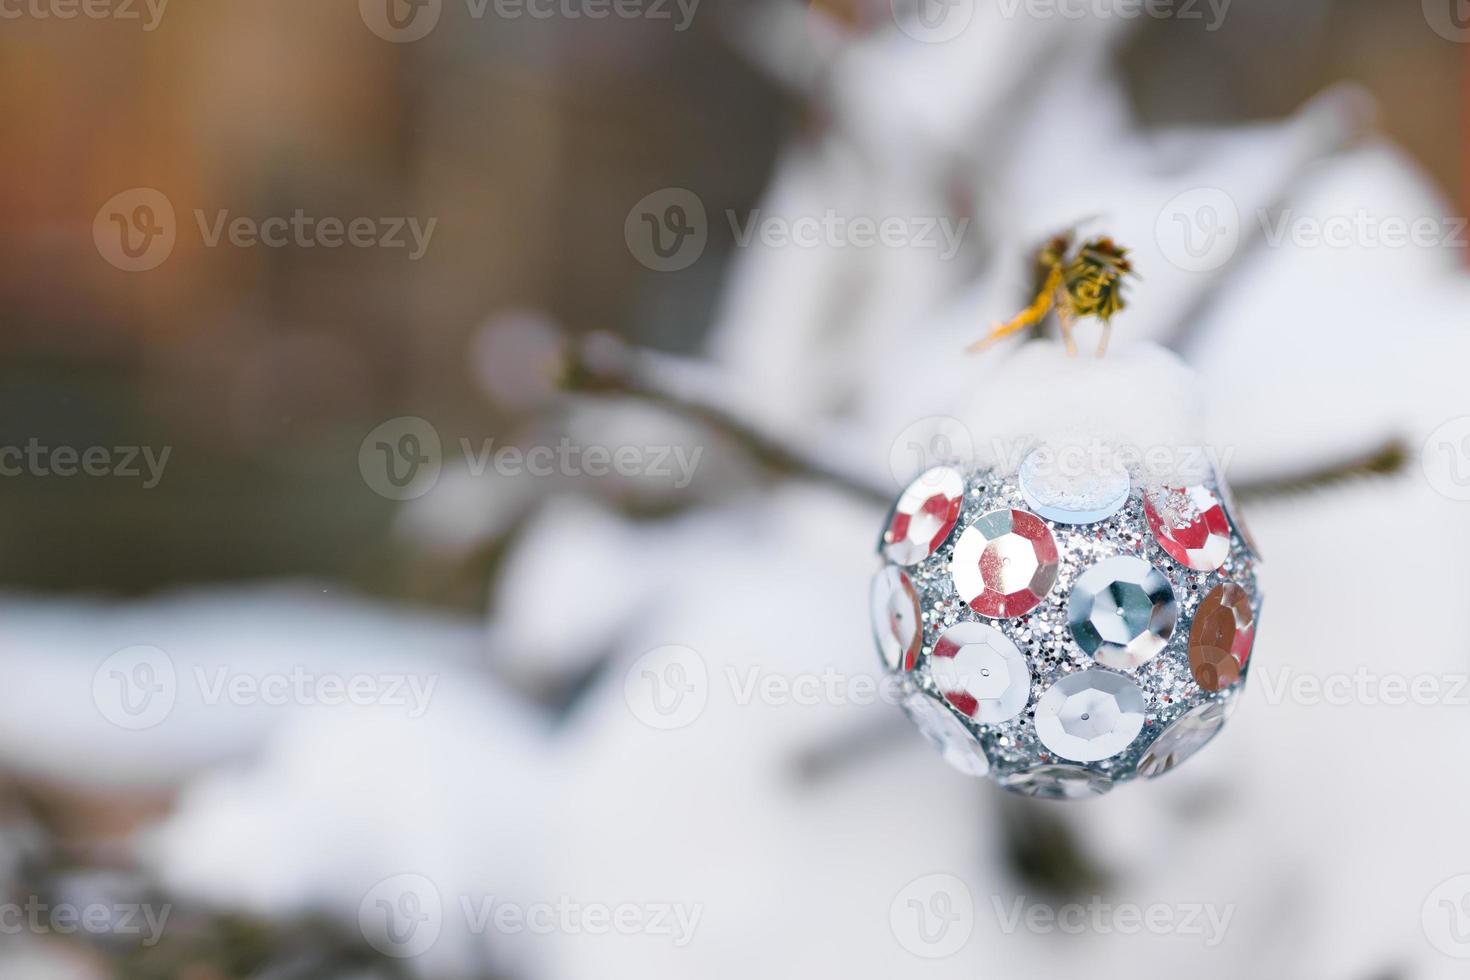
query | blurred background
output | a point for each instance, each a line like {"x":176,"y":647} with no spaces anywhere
{"x":383,"y":383}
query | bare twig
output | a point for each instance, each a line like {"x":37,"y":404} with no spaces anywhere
{"x":617,"y":369}
{"x":606,"y":366}
{"x":1384,"y":460}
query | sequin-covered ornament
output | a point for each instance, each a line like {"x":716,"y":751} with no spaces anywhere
{"x":1067,"y":640}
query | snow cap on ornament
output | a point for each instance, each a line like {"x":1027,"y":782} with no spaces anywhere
{"x":1137,"y":412}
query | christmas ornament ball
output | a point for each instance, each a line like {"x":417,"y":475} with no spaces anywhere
{"x":1061,"y":632}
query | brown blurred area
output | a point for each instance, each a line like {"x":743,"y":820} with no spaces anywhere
{"x":263,"y":368}
{"x":528,"y":141}
{"x":1268,"y":58}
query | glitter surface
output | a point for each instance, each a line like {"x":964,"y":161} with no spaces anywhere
{"x":1044,"y":635}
